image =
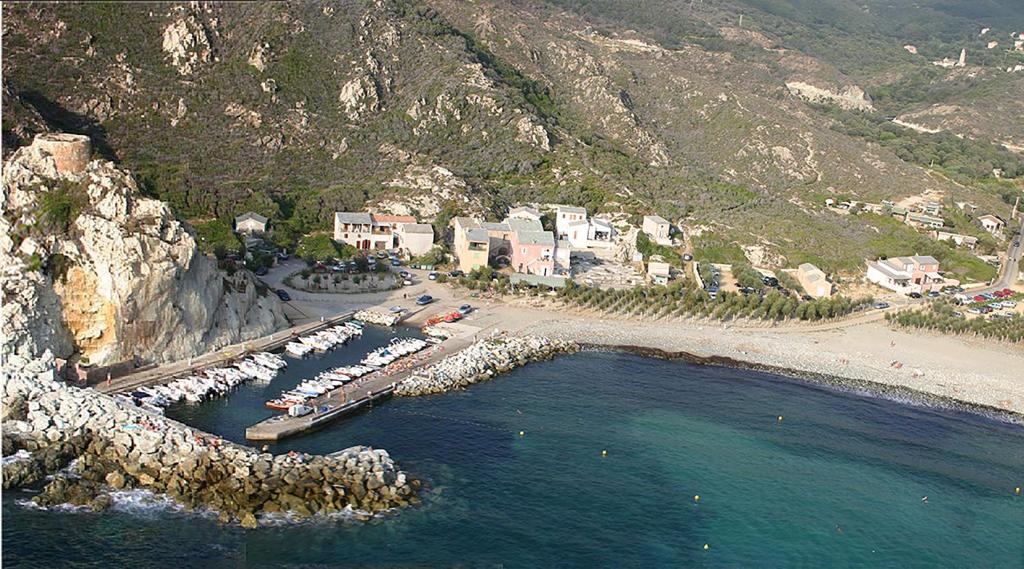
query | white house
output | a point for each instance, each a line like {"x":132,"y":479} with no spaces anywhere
{"x":524,"y":212}
{"x":567,"y":215}
{"x":590,"y":233}
{"x":813,"y":281}
{"x":992,"y":223}
{"x":370,"y":231}
{"x":659,"y":273}
{"x":657,"y":228}
{"x":416,"y":238}
{"x":250,"y":222}
{"x":905,"y":275}
{"x":959,"y":240}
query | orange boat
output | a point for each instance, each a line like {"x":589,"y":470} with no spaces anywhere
{"x":282,"y":404}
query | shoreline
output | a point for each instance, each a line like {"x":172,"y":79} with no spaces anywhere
{"x":895,"y":393}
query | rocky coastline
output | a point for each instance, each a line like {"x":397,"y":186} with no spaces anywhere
{"x":377,"y":317}
{"x":481,"y":361}
{"x":85,"y":445}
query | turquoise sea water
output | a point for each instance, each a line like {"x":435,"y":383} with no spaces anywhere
{"x":837,"y":483}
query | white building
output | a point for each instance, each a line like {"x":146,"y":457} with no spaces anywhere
{"x":813,"y":281}
{"x":906,"y":275}
{"x":659,"y":273}
{"x":567,"y":215}
{"x":367,"y":231}
{"x":250,"y":222}
{"x":657,"y":228}
{"x":959,"y":240}
{"x":992,"y":223}
{"x":590,"y":233}
{"x":524,"y":212}
{"x":416,"y":238}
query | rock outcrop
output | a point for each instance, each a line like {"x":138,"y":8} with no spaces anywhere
{"x":480,"y":362}
{"x":117,"y":446}
{"x":850,"y":97}
{"x":92,"y":267}
{"x":186,"y":43}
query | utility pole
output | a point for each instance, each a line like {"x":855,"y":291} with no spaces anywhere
{"x":741,"y":20}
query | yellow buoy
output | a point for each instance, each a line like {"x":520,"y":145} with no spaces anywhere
{"x":780,"y":418}
{"x":706,"y":547}
{"x":522,"y":433}
{"x":1017,"y":490}
{"x":696,"y":498}
{"x":604,"y":453}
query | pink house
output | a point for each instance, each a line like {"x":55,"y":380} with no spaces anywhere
{"x":533,"y":252}
{"x":905,"y":275}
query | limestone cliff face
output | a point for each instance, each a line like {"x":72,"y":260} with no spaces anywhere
{"x":93,"y":267}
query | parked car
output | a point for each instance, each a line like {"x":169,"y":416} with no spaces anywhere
{"x":260,"y":271}
{"x":770,"y":281}
{"x":283,"y":294}
{"x":397,"y":309}
{"x":1008,"y":292}
{"x":958,"y":314}
{"x":985,"y":309}
{"x":979,"y":298}
{"x":1008,"y":304}
{"x":382,"y":255}
{"x":465,"y":309}
{"x":881,"y":305}
{"x":424,"y":300}
{"x":974,"y":310}
{"x":404,"y":274}
{"x":456,"y":273}
{"x":407,"y":282}
{"x":995,"y":305}
{"x":806,"y":297}
{"x":914,"y":295}
{"x":432,"y":276}
{"x":933,"y":294}
{"x":747,"y":290}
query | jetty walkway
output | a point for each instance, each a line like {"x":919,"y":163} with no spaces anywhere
{"x":355,"y":396}
{"x":163,"y":373}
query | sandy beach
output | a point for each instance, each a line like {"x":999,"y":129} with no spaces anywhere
{"x":858,"y":352}
{"x":943,"y":367}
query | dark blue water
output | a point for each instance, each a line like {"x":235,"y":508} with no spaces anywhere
{"x":837,"y":483}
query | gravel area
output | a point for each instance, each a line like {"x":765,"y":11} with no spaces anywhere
{"x":938,"y":370}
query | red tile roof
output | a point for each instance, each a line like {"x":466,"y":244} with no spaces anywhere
{"x":394,"y":218}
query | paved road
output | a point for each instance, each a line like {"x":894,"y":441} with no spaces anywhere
{"x":1011,"y":267}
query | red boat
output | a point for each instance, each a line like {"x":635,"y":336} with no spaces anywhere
{"x":282,"y":404}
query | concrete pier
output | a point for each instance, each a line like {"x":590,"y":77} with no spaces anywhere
{"x":358,"y":395}
{"x":165,"y":372}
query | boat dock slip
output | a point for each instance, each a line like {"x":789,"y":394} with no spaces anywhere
{"x":167,"y":371}
{"x":348,"y":399}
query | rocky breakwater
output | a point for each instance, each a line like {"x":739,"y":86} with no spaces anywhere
{"x":378,"y":317}
{"x":94,"y":269}
{"x":95,"y":444}
{"x":481,"y":361}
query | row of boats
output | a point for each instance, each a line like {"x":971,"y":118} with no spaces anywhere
{"x":208,"y":383}
{"x":324,"y":340}
{"x":294,"y":400}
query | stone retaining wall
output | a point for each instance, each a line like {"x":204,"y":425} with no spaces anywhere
{"x":119,"y":446}
{"x":481,"y":361}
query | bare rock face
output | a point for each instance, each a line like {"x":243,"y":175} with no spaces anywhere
{"x":851,"y":97}
{"x":186,"y":43}
{"x":94,"y":268}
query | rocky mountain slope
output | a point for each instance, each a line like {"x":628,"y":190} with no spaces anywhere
{"x":435,"y":107}
{"x":93,"y":269}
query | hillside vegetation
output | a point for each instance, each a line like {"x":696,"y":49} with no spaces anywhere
{"x":296,"y":110}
